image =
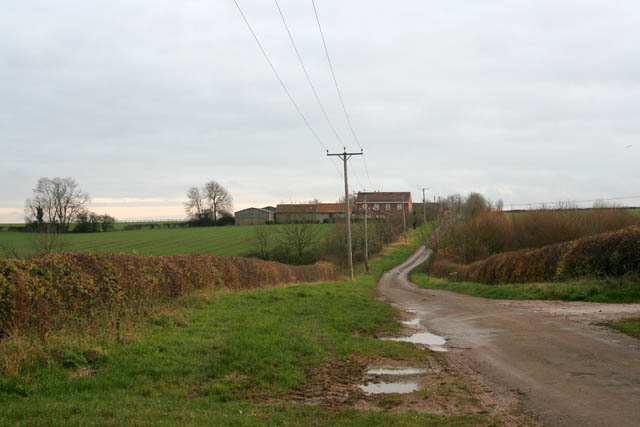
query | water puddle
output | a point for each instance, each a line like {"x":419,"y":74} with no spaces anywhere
{"x":396,"y":371}
{"x":413,"y":322}
{"x":434,"y":342}
{"x":380,"y":388}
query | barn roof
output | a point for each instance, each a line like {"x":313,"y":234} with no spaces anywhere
{"x":253,"y":209}
{"x":330,"y":208}
{"x":296,"y":209}
{"x":313,"y":208}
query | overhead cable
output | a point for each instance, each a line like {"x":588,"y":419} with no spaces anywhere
{"x":284,"y":87}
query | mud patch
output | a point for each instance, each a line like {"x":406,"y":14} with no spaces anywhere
{"x":435,"y":388}
{"x":333,"y":385}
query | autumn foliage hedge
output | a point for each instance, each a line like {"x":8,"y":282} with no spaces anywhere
{"x":46,"y":292}
{"x":609,"y":254}
{"x":492,"y":232}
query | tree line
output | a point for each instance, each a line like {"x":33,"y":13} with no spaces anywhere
{"x":58,"y":205}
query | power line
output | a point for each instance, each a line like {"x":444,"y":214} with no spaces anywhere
{"x":335,"y":82}
{"x":356,"y":175}
{"x":306,"y":73}
{"x":284,"y":87}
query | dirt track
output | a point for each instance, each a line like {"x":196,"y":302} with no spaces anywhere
{"x":564,"y":370}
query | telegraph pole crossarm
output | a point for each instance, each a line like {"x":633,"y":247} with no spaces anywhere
{"x":344,"y":156}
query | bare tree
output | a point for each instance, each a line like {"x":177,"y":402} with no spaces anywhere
{"x":218,"y":199}
{"x":298,"y":236}
{"x":195,"y":204}
{"x":56,"y":201}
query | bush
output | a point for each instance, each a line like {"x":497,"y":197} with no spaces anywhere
{"x":491,"y":232}
{"x":610,"y":254}
{"x":47,"y":292}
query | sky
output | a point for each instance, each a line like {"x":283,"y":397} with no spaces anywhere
{"x":524,"y":101}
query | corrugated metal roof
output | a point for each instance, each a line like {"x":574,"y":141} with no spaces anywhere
{"x":252,"y":209}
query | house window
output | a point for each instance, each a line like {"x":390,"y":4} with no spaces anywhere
{"x":388,"y":206}
{"x":376,"y":206}
{"x":399,"y":206}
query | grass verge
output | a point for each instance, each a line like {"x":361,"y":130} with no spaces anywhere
{"x":630,"y":327}
{"x":614,"y":290}
{"x":215,"y":358}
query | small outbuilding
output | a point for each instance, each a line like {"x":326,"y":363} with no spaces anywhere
{"x":251,"y":216}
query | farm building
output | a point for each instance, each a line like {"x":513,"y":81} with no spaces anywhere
{"x":314,"y":212}
{"x":383,"y":203}
{"x":251,"y":216}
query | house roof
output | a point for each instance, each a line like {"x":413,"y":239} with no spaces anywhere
{"x":385,"y":197}
{"x":314,"y":208}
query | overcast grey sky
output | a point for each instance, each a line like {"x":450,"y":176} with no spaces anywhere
{"x":527,"y":101}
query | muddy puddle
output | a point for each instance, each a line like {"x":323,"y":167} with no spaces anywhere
{"x":396,"y":371}
{"x":413,"y":322}
{"x":434,"y":342}
{"x":383,"y":388}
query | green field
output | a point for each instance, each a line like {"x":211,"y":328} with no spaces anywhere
{"x":226,"y":241}
{"x":217,"y":358}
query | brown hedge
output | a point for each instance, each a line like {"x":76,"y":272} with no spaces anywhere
{"x":608,"y":254}
{"x":45,"y":292}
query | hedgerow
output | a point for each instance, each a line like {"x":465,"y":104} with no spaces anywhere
{"x":604,"y":255}
{"x":48,"y":292}
{"x":489,"y":232}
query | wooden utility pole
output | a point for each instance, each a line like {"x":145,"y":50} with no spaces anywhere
{"x":366,"y":236}
{"x":344,"y":156}
{"x":404,"y":221}
{"x":424,"y":204}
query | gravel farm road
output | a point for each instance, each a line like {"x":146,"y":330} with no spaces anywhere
{"x":565,"y":370}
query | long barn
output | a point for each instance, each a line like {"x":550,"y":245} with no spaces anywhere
{"x":251,"y":216}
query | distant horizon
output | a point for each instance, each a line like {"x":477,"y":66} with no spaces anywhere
{"x":184,"y":217}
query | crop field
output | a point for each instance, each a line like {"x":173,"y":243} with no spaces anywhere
{"x":225,"y":241}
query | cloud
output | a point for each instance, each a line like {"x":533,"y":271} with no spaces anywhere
{"x":140,"y":100}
